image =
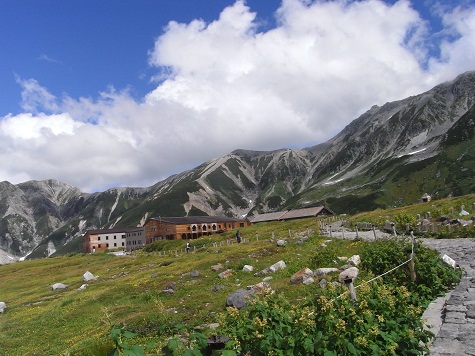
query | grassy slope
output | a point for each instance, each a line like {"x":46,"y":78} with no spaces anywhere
{"x":41,"y":321}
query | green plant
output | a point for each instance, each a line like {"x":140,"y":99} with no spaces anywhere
{"x":382,"y":321}
{"x":433,"y":276}
{"x":123,"y":346}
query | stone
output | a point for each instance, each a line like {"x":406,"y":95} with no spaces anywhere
{"x":239,"y":299}
{"x":3,"y":306}
{"x":84,"y":286}
{"x":226,"y":274}
{"x":217,"y":287}
{"x":275,"y":267}
{"x":217,"y":267}
{"x":260,"y":288}
{"x":194,"y":273}
{"x":301,"y":275}
{"x":267,"y":279}
{"x":58,"y":286}
{"x":354,"y":260}
{"x":323,"y":283}
{"x":88,"y":276}
{"x":281,"y":243}
{"x":247,"y":268}
{"x":308,"y":281}
{"x":350,"y":273}
{"x":324,"y":271}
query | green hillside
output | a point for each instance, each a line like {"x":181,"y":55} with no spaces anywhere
{"x":129,"y":291}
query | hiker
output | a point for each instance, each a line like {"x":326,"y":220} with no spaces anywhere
{"x":188,"y":247}
{"x":238,"y":237}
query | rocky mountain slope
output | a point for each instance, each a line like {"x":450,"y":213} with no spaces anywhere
{"x":389,"y":156}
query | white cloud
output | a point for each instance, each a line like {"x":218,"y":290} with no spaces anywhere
{"x":226,"y":85}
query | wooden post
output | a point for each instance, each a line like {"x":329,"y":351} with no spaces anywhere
{"x":330,"y":231}
{"x":356,"y":229}
{"x":374,"y":231}
{"x":394,"y":229}
{"x":412,"y":268}
{"x":290,"y":234}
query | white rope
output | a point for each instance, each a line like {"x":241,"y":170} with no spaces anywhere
{"x":385,"y":273}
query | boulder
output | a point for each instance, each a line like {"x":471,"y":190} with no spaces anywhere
{"x":217,"y":267}
{"x":348,"y":274}
{"x":281,"y":243}
{"x":324,"y":271}
{"x":194,"y":273}
{"x":301,"y":276}
{"x":226,"y":274}
{"x":239,"y":299}
{"x":260,"y":288}
{"x":354,"y":260}
{"x":217,"y":287}
{"x":275,"y":267}
{"x":308,"y":281}
{"x":247,"y":268}
{"x":3,"y":306}
{"x":88,"y":276}
{"x":58,"y":286}
{"x":84,"y":286}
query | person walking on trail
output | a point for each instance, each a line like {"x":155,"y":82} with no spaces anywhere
{"x":188,"y":247}
{"x":238,"y":236}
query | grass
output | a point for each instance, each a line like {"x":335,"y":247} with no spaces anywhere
{"x":128,"y":291}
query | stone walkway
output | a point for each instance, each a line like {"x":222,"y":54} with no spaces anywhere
{"x":456,"y":335}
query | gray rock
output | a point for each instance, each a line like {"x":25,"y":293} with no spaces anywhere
{"x":350,"y":273}
{"x":247,"y":268}
{"x":323,"y":283}
{"x":354,"y":260}
{"x":301,"y":276}
{"x":194,"y":273}
{"x":281,"y":243}
{"x":217,"y":267}
{"x":324,"y":271}
{"x":225,"y":274}
{"x":239,"y":299}
{"x":3,"y":306}
{"x":308,"y":281}
{"x":271,"y":269}
{"x":58,"y":286}
{"x":88,"y":276}
{"x":217,"y":287}
{"x":84,"y":286}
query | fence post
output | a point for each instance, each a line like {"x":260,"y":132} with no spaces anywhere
{"x":356,"y":229}
{"x":374,"y":231}
{"x":257,"y":237}
{"x":412,"y":268}
{"x":290,"y":234}
{"x":330,"y":230}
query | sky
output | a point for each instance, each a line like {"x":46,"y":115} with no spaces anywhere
{"x":102,"y":94}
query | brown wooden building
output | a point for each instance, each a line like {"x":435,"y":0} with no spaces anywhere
{"x":189,"y":227}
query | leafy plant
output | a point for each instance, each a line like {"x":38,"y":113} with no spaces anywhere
{"x":122,"y":343}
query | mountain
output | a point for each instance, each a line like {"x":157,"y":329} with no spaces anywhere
{"x":389,"y":156}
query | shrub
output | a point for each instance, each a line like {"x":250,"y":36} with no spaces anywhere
{"x":381,"y":321}
{"x":433,"y":276}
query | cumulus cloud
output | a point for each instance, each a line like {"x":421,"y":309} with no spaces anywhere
{"x":229,"y":84}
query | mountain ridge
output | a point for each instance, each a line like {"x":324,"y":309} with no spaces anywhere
{"x":389,"y":156}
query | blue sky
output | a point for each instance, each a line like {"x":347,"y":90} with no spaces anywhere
{"x":102,"y":94}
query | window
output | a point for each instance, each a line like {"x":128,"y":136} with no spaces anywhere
{"x":107,"y":237}
{"x":122,"y":244}
{"x":99,"y":246}
{"x":115,"y":244}
{"x":115,"y":237}
{"x":98,"y":238}
{"x":107,"y":245}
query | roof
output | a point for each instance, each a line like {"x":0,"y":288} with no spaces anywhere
{"x":182,"y":220}
{"x":268,"y":217}
{"x":306,"y":212}
{"x":292,"y":214}
{"x":113,"y":231}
